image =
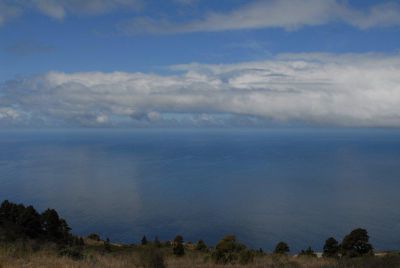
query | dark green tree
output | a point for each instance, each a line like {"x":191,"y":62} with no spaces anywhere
{"x":356,"y":244}
{"x":144,"y":240}
{"x":55,"y":228}
{"x":331,"y":248}
{"x":229,"y":250}
{"x":281,"y":248}
{"x":177,"y":246}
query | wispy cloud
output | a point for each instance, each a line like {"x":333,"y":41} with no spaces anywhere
{"x":59,"y":9}
{"x":327,"y":89}
{"x":287,"y":14}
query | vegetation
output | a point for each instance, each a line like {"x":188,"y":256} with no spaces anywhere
{"x":307,"y":253}
{"x":228,"y":250}
{"x":281,"y":248}
{"x":178,"y":247}
{"x":356,"y":244}
{"x":201,"y":246}
{"x":32,"y":239}
{"x":331,"y":248}
{"x":18,"y":222}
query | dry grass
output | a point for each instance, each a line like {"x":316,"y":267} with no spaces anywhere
{"x":120,"y":257}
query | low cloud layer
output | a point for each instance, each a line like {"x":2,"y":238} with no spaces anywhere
{"x":319,"y":89}
{"x":287,"y":14}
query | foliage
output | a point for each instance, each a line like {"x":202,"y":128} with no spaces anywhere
{"x":55,"y":229}
{"x":356,"y":244}
{"x":94,"y":236}
{"x":20,"y":222}
{"x":307,"y":253}
{"x":144,"y":240}
{"x":228,"y":250}
{"x":73,"y":252}
{"x":281,"y":248}
{"x":331,"y":248}
{"x":177,"y":247}
{"x":201,"y":246}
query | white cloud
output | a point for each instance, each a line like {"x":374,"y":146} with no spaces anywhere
{"x":322,"y":89}
{"x":287,"y":14}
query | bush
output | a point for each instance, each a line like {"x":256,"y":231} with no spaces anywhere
{"x":281,"y":248}
{"x":177,"y":247}
{"x":94,"y":236}
{"x":228,"y":250}
{"x":201,"y":246}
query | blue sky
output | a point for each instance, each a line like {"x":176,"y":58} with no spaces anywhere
{"x":199,"y":62}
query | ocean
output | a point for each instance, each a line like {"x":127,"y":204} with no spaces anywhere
{"x":263,"y":185}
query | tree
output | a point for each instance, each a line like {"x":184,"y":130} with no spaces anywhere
{"x":144,"y":240}
{"x":228,"y":250}
{"x":307,"y":253}
{"x":55,"y":228}
{"x":281,"y":248}
{"x":177,"y":247}
{"x":20,"y":222}
{"x":331,"y":248}
{"x":356,"y":244}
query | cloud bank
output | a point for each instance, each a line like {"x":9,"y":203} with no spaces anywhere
{"x":319,"y":89}
{"x":287,"y":14}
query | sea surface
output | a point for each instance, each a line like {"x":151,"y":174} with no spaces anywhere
{"x":296,"y":185}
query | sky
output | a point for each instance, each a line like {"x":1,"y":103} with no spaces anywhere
{"x":199,"y":63}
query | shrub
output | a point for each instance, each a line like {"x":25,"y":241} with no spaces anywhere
{"x":75,"y":252}
{"x":177,"y":247}
{"x":281,"y":248}
{"x":228,"y":250}
{"x":94,"y":236}
{"x":307,"y":253}
{"x":201,"y":246}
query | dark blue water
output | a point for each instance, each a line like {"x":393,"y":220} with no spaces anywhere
{"x":300,"y":186}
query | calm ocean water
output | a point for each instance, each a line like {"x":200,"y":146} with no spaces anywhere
{"x":300,"y":186}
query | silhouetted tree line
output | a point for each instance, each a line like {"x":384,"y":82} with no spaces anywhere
{"x":19,"y":222}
